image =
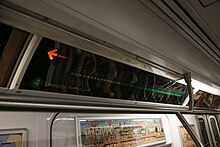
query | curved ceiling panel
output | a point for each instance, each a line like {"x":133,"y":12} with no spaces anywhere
{"x":134,"y":27}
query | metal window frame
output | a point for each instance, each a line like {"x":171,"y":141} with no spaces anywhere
{"x":56,"y":31}
{"x":206,"y":127}
{"x":211,"y":128}
{"x":32,"y":46}
{"x":41,"y":28}
{"x":18,"y":58}
{"x":22,"y":131}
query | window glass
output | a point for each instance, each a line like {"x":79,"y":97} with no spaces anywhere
{"x":11,"y":43}
{"x":5,"y":32}
{"x":57,"y":67}
{"x":215,"y":131}
{"x":204,"y":135}
{"x":62,"y":130}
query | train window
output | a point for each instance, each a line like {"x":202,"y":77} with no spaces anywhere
{"x":11,"y":44}
{"x":62,"y":130}
{"x":215,"y":131}
{"x":57,"y":67}
{"x":204,"y":135}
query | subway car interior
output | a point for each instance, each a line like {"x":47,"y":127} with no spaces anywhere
{"x":109,"y":73}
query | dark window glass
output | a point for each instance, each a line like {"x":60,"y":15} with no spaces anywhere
{"x":5,"y":33}
{"x":74,"y":71}
{"x":204,"y":137}
{"x":215,"y":131}
{"x":11,"y":44}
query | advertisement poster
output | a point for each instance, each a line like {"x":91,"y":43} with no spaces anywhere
{"x":121,"y":132}
{"x":185,"y":137}
{"x":13,"y":137}
{"x":13,"y":140}
{"x":206,"y":100}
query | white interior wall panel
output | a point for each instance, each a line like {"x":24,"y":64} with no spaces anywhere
{"x":35,"y":123}
{"x":64,"y":130}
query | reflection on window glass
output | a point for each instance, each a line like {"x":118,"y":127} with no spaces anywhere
{"x":11,"y":44}
{"x":215,"y":131}
{"x":206,"y":100}
{"x":57,"y":67}
{"x":204,"y":134}
{"x":5,"y":33}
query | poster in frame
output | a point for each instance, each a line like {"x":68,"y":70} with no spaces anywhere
{"x":186,"y":139}
{"x":13,"y":137}
{"x":129,"y":132}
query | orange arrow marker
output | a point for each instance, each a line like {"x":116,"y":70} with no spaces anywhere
{"x":53,"y":53}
